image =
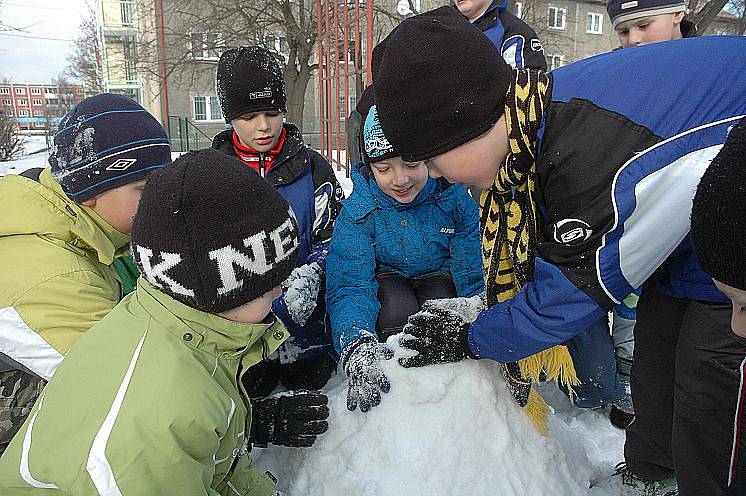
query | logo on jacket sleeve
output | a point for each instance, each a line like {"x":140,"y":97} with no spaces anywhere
{"x":571,"y":231}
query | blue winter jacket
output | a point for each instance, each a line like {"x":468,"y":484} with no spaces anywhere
{"x":625,"y":140}
{"x":438,"y":233}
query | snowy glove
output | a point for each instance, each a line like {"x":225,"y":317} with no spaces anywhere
{"x":289,"y":419}
{"x":301,"y":291}
{"x":466,"y":308}
{"x":438,"y":334}
{"x":361,"y":362}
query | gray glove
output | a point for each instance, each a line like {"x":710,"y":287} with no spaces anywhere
{"x":361,"y":360}
{"x":301,"y":290}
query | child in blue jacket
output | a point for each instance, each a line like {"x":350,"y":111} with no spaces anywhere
{"x":401,"y":238}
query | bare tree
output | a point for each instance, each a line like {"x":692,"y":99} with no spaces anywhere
{"x":197,"y":31}
{"x":84,"y":64}
{"x":11,"y":143}
{"x":738,"y":9}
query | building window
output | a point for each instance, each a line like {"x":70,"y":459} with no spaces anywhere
{"x":519,"y":10}
{"x":50,"y":90}
{"x":36,"y":101}
{"x":557,"y":16}
{"x":22,"y":113}
{"x":555,"y":61}
{"x":22,"y":101}
{"x":36,"y":91}
{"x":4,"y":91}
{"x":39,"y":113}
{"x":594,"y":23}
{"x":206,"y":46}
{"x":7,"y":102}
{"x":206,"y":108}
{"x":20,"y":91}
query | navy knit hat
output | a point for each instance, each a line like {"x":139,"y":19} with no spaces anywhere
{"x":439,"y":82}
{"x":625,"y":10}
{"x":375,"y":145}
{"x":104,"y":142}
{"x":719,"y":213}
{"x":249,"y":79}
{"x":193,"y":239}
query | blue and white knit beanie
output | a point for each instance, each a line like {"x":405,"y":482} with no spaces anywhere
{"x":626,"y":10}
{"x":375,"y":145}
{"x":106,"y":141}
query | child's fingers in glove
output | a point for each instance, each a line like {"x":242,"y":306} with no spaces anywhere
{"x":384,"y":353}
{"x":414,"y":361}
{"x":314,"y":427}
{"x":319,"y":412}
{"x":353,"y":397}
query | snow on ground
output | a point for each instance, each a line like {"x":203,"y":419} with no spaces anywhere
{"x":450,"y":429}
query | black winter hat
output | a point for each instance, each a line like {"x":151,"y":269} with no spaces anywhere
{"x":211,"y":233}
{"x":439,"y":83}
{"x":249,"y":79}
{"x":625,"y":10}
{"x":104,"y":142}
{"x":719,"y":213}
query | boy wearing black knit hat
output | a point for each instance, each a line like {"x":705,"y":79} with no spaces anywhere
{"x":252,"y":96}
{"x":589,"y":179}
{"x":64,"y":229}
{"x":718,"y":234}
{"x":198,"y":320}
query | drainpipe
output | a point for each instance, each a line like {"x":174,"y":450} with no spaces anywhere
{"x":162,"y":59}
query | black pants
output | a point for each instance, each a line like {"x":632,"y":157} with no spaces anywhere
{"x":685,"y":381}
{"x":401,"y":297}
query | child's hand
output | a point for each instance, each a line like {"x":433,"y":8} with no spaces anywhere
{"x":301,"y":291}
{"x":438,"y":334}
{"x":361,"y":361}
{"x":292,"y":419}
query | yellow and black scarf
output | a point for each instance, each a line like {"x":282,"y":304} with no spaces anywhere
{"x":509,"y":237}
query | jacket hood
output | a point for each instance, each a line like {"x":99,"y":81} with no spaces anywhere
{"x":367,"y":196}
{"x":42,"y":208}
{"x":212,"y":333}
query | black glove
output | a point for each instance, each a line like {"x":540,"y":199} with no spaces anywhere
{"x":289,"y":419}
{"x":361,"y":362}
{"x":438,"y":334}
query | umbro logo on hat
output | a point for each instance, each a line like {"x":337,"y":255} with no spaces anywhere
{"x":122,"y":164}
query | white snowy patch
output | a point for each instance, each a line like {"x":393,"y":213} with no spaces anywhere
{"x":445,"y":430}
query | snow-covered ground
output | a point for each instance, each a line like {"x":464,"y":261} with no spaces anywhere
{"x":448,"y":430}
{"x":443,"y":430}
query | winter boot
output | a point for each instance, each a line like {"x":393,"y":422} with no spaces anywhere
{"x":634,"y":486}
{"x":622,"y":411}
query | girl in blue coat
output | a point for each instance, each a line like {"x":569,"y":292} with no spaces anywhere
{"x":401,"y":238}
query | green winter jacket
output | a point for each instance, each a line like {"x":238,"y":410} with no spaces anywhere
{"x":146,"y":403}
{"x":56,"y":278}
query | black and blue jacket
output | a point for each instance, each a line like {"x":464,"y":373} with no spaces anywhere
{"x":625,"y":139}
{"x":514,"y":39}
{"x":306,"y":180}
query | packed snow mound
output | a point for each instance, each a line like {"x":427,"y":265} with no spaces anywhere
{"x":443,"y":430}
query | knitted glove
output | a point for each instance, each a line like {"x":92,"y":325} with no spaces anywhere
{"x":466,"y":308}
{"x":438,"y":334}
{"x":289,"y":419}
{"x":361,"y":361}
{"x":301,"y":290}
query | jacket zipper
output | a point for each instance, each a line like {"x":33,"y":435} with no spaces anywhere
{"x":262,"y":165}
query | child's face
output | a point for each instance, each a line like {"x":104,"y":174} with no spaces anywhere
{"x":255,"y":310}
{"x":476,"y":162}
{"x":260,"y":131}
{"x":118,"y":206}
{"x":651,"y":29}
{"x":472,"y":9}
{"x":738,"y":299}
{"x":400,"y":180}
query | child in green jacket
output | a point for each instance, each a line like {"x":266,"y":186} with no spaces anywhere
{"x":148,"y":401}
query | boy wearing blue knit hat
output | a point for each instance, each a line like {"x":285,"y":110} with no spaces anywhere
{"x":63,"y":228}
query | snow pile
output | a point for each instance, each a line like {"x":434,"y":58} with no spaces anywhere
{"x":442,"y":430}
